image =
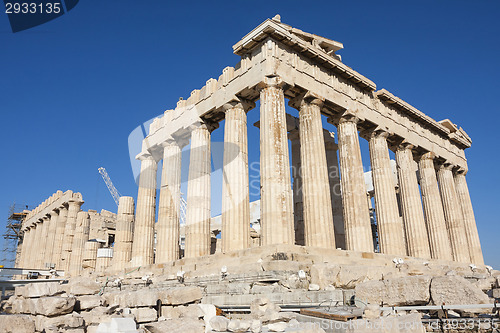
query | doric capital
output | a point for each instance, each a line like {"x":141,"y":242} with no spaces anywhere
{"x":306,"y":98}
{"x":348,"y":116}
{"x":271,"y":82}
{"x":405,"y":145}
{"x":461,"y":171}
{"x":209,"y":124}
{"x":54,"y":213}
{"x":428,"y":156}
{"x":445,"y":166}
{"x":240,"y":103}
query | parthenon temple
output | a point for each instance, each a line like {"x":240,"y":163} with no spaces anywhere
{"x":423,"y":212}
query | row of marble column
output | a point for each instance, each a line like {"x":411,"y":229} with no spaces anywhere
{"x":51,"y":241}
{"x":436,"y":219}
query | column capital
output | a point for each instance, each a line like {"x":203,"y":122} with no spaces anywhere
{"x":405,"y":145}
{"x":240,"y":103}
{"x":306,"y":97}
{"x":377,"y":132}
{"x":348,"y":116}
{"x":208,"y":124}
{"x":428,"y":156}
{"x":54,"y":213}
{"x":445,"y":165}
{"x":271,"y":82}
{"x":461,"y":171}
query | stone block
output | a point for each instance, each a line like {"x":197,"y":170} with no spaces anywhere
{"x":117,"y":325}
{"x":411,"y":290}
{"x":496,"y":293}
{"x":16,"y":324}
{"x":47,"y":306}
{"x":143,"y":297}
{"x":228,"y":288}
{"x":69,"y":321}
{"x":39,"y":289}
{"x":281,"y":266}
{"x":82,"y":286}
{"x":219,"y":324}
{"x":238,"y":326}
{"x":86,"y":302}
{"x":456,"y":290}
{"x":266,"y":288}
{"x":183,"y":295}
{"x":144,"y":315}
{"x":176,"y":326}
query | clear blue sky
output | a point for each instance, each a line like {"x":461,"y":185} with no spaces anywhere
{"x":73,"y":89}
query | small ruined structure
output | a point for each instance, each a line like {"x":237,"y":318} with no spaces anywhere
{"x":57,"y":233}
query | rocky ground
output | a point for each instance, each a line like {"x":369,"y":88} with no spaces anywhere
{"x":153,"y":299}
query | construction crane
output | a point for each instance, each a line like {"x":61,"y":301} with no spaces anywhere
{"x":112,"y":189}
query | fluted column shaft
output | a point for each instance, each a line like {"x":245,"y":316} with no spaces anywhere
{"x":235,"y":183}
{"x":81,"y":236}
{"x":42,"y":259}
{"x":298,"y":202}
{"x":355,"y":206}
{"x":51,"y":236}
{"x":318,"y":215}
{"x":59,"y":236}
{"x":167,"y":248}
{"x":25,"y":247}
{"x":276,"y":188}
{"x":433,"y":209}
{"x":198,"y":238}
{"x":142,"y":247}
{"x":462,"y":189}
{"x":334,"y":179}
{"x":122,"y":252}
{"x":411,"y":204}
{"x":35,"y":245}
{"x":390,"y":228}
{"x":453,"y":214}
{"x":90,"y":255}
{"x":69,"y":233}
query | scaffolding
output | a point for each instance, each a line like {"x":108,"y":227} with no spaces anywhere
{"x":12,"y":233}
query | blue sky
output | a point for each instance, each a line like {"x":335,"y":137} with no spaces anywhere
{"x":72,"y":90}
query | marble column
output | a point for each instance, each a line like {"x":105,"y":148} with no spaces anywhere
{"x":433,"y":209}
{"x":355,"y":206}
{"x":90,"y":255}
{"x":235,"y":182}
{"x":198,"y":237}
{"x":69,"y":233}
{"x":26,"y":247}
{"x":42,"y":259}
{"x":453,"y":214}
{"x":51,"y":237}
{"x":298,"y":202}
{"x":167,"y":234}
{"x":276,"y":188}
{"x":318,"y":215}
{"x":59,"y":236}
{"x":122,"y":252}
{"x":81,"y":237}
{"x":462,"y":189}
{"x":417,"y":238}
{"x":142,"y":247}
{"x":336,"y":196}
{"x":390,"y":227}
{"x":35,"y":245}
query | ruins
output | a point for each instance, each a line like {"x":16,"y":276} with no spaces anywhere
{"x":315,"y":235}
